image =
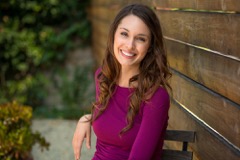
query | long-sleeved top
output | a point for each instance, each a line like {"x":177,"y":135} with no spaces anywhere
{"x":144,"y":141}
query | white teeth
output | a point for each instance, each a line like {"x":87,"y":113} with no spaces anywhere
{"x":128,"y":54}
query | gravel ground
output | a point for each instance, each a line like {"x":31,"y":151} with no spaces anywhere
{"x":59,"y":133}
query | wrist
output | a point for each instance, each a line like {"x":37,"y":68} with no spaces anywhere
{"x":85,"y":118}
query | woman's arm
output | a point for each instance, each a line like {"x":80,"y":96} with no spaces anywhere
{"x":153,"y":127}
{"x":83,"y":130}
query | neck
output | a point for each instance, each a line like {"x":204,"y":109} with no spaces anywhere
{"x":125,"y":75}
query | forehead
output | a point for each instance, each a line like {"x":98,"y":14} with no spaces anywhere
{"x":134,"y":24}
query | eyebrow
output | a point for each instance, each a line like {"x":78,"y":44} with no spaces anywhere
{"x":138,"y":34}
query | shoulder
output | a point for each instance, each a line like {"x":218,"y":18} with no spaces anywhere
{"x":160,"y":97}
{"x":98,"y":71}
{"x":161,"y":92}
{"x":158,"y":104}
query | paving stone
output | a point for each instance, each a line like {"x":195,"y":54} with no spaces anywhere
{"x":59,"y":133}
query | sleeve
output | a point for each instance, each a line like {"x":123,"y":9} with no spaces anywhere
{"x":153,"y":126}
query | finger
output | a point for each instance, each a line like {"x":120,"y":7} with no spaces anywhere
{"x":88,"y":138}
{"x":79,"y":148}
{"x":75,"y":148}
{"x":77,"y":152}
{"x":77,"y":145}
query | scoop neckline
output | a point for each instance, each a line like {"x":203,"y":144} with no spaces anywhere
{"x":122,"y":87}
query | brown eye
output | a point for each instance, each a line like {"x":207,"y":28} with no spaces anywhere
{"x":124,"y":34}
{"x":141,"y":39}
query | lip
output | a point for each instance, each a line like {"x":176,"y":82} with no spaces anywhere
{"x":126,"y":54}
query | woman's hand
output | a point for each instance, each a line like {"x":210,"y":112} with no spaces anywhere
{"x":83,"y":130}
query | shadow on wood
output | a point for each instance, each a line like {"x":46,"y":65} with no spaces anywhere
{"x":180,"y":136}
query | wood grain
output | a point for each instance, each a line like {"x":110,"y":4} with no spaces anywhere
{"x":229,"y":5}
{"x":104,"y":13}
{"x":208,"y":146}
{"x":105,"y":2}
{"x":218,"y":112}
{"x":100,"y":30}
{"x":98,"y":52}
{"x":180,"y":135}
{"x":217,"y":73}
{"x":218,"y":32}
{"x":213,"y":94}
{"x":176,"y":155}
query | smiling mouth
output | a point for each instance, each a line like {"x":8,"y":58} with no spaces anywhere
{"x":127,"y":53}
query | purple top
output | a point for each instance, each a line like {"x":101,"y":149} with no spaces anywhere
{"x":144,"y":140}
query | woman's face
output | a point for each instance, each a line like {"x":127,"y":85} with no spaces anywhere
{"x":131,"y":41}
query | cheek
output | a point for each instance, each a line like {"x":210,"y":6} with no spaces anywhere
{"x":144,"y":50}
{"x":118,"y":42}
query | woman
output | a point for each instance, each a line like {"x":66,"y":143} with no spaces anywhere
{"x":130,"y":114}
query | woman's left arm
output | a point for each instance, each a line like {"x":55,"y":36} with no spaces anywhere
{"x":153,"y":126}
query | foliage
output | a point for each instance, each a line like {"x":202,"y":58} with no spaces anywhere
{"x":35,"y":36}
{"x":63,"y":113}
{"x":74,"y":91}
{"x":16,"y":137}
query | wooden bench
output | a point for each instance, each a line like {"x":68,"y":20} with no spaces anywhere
{"x":180,"y":136}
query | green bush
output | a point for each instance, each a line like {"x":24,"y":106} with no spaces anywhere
{"x":75,"y":91}
{"x":36,"y":36}
{"x":16,"y":136}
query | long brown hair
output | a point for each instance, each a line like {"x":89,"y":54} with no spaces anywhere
{"x":154,"y":68}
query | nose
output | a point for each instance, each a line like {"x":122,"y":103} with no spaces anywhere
{"x":130,"y":44}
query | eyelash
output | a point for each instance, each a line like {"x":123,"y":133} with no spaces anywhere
{"x":139,"y":38}
{"x":124,"y":34}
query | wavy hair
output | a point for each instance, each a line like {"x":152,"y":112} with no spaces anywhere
{"x":154,"y":68}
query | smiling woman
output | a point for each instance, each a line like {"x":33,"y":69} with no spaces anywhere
{"x":130,"y":114}
{"x":131,"y":42}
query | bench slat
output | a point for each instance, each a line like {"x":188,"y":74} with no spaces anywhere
{"x":176,"y":155}
{"x":181,"y":136}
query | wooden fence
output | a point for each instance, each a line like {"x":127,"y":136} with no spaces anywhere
{"x":203,"y":45}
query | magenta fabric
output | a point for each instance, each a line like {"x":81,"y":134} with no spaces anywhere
{"x":144,"y":140}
